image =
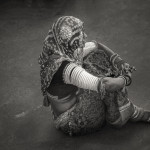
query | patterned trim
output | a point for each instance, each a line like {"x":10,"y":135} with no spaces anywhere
{"x":123,"y":108}
{"x":62,"y":100}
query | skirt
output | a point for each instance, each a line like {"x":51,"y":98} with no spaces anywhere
{"x":89,"y":113}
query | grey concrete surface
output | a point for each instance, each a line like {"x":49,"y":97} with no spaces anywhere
{"x":123,"y":25}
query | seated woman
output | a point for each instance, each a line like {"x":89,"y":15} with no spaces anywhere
{"x":84,"y":82}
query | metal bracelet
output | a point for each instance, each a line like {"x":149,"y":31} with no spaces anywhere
{"x":128,"y":79}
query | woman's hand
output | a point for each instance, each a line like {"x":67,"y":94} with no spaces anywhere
{"x":113,"y":84}
{"x":126,"y":69}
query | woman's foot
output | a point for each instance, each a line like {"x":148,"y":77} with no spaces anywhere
{"x":140,"y":115}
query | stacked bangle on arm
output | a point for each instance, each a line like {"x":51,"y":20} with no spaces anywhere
{"x":113,"y":57}
{"x":127,"y":80}
{"x":120,"y":62}
{"x":115,"y":61}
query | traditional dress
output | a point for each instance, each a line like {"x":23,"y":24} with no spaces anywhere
{"x":91,"y":108}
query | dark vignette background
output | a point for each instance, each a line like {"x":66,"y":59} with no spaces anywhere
{"x":123,"y":25}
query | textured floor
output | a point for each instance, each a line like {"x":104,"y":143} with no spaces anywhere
{"x":123,"y":25}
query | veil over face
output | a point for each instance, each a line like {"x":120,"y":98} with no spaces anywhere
{"x":64,"y":38}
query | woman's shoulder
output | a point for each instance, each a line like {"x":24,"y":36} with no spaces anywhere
{"x":90,"y":45}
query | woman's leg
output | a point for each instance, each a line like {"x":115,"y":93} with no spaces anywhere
{"x":119,"y":109}
{"x":140,"y":114}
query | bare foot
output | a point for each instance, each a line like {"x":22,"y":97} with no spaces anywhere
{"x":140,"y":115}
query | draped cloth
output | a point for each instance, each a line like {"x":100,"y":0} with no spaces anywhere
{"x":88,"y":114}
{"x":59,"y":45}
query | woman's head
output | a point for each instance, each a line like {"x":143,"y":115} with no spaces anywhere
{"x":69,"y":35}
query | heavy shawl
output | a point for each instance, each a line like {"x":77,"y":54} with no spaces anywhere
{"x":59,"y":45}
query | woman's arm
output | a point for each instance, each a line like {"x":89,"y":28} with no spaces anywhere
{"x":91,"y":46}
{"x":107,"y":50}
{"x":115,"y":59}
{"x":79,"y":77}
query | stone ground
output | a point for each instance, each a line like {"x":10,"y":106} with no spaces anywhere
{"x":123,"y":25}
